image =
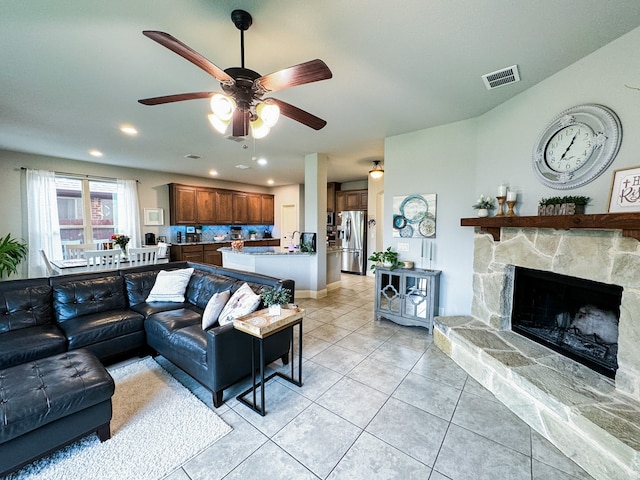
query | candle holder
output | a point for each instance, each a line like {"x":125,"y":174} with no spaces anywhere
{"x":501,"y":200}
{"x":511,"y":204}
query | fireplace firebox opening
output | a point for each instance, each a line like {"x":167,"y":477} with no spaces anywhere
{"x":573,"y":316}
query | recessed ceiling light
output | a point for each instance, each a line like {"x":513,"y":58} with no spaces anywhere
{"x":95,"y":153}
{"x":270,"y":182}
{"x":128,"y":130}
{"x":262,"y":161}
{"x":213,"y":173}
{"x":242,"y":167}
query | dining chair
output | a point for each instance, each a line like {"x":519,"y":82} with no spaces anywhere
{"x":97,"y":259}
{"x":163,"y":249}
{"x":47,"y":264}
{"x":143,"y":255}
{"x":75,"y":251}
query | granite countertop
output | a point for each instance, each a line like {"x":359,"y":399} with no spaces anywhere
{"x":265,"y":251}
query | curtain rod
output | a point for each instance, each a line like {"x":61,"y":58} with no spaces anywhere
{"x":81,"y":175}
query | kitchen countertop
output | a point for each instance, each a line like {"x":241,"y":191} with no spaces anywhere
{"x":265,"y":251}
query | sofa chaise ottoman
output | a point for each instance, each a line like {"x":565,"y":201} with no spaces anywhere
{"x":48,"y":403}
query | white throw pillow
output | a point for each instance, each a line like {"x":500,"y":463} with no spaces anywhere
{"x":243,"y":302}
{"x":170,"y":285}
{"x":214,"y":307}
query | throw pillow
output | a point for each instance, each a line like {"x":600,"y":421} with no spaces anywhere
{"x":243,"y":302}
{"x":214,"y":307}
{"x":170,"y":285}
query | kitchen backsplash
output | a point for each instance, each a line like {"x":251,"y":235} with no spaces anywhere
{"x":208,"y":232}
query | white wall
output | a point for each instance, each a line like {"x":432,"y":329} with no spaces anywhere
{"x":287,"y":195}
{"x":460,"y":161}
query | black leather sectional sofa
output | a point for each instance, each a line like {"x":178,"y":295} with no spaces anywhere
{"x":106,"y":313}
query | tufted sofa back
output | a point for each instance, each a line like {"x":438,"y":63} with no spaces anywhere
{"x":79,"y":297}
{"x":203,"y":285}
{"x":25,"y":303}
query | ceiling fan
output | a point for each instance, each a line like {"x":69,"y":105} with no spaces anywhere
{"x":243,"y":105}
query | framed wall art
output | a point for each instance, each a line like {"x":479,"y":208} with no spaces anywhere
{"x":153,"y":216}
{"x":625,"y":191}
{"x":414,"y":216}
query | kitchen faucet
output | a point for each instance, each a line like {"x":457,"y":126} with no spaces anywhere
{"x":291,"y":244}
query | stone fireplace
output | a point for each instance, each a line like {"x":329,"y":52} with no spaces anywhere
{"x":593,"y":419}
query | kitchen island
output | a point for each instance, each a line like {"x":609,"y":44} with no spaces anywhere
{"x":279,"y":262}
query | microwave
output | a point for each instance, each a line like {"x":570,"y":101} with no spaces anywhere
{"x":331,"y":218}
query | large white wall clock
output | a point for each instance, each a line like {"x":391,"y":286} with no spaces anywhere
{"x":577,"y":146}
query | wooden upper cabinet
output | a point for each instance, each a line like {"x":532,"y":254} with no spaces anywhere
{"x":240,"y":208}
{"x":182,"y":204}
{"x":224,"y":206}
{"x":254,"y":209}
{"x":268,"y":209}
{"x":331,"y":196}
{"x":206,"y":206}
{"x":352,"y":200}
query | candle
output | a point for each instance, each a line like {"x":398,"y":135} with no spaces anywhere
{"x":430,"y":251}
{"x":422,"y":254}
{"x":511,"y":196}
{"x":502,"y":190}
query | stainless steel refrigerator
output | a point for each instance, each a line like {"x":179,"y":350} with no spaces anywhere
{"x":352,"y":237}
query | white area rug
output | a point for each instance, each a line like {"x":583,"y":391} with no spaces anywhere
{"x":157,"y":425}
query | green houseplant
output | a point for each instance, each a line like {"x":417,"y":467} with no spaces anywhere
{"x":274,"y":298}
{"x":386,"y":258}
{"x":566,"y":205}
{"x":12,"y":252}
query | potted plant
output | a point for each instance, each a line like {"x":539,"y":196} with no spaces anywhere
{"x":483,"y":205}
{"x":12,"y":252}
{"x":274,"y":298}
{"x":386,"y":258}
{"x":566,"y":205}
{"x":252,"y":234}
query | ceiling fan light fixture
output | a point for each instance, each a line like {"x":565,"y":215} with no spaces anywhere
{"x":222,"y":106}
{"x":259,"y":129}
{"x":268,"y":112}
{"x":377,"y":171}
{"x":219,"y":125}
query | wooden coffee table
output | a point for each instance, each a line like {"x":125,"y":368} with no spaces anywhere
{"x":261,"y":325}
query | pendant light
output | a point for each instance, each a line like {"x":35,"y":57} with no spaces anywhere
{"x":377,"y":171}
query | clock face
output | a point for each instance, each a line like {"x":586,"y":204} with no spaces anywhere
{"x":577,"y":146}
{"x":569,"y":148}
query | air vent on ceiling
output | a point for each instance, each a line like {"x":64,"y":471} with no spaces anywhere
{"x":500,"y":78}
{"x":193,"y":156}
{"x":242,"y":167}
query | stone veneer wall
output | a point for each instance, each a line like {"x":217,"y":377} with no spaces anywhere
{"x":600,"y":255}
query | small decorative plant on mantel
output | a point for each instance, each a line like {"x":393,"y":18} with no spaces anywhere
{"x":567,"y":205}
{"x":274,"y":298}
{"x":483,"y":205}
{"x":386,"y":258}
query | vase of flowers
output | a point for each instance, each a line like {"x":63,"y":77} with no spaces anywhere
{"x":483,"y":205}
{"x":121,"y":241}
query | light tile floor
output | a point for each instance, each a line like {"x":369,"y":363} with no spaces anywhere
{"x":379,"y":401}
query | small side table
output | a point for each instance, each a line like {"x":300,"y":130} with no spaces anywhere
{"x":260,"y":325}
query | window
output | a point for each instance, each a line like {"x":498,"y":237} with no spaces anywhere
{"x":86,"y":209}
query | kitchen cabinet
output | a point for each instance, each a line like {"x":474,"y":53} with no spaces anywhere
{"x":407,"y":297}
{"x":192,"y":205}
{"x":187,"y":253}
{"x":332,"y":188}
{"x":208,"y":252}
{"x":211,"y":255}
{"x":352,"y":200}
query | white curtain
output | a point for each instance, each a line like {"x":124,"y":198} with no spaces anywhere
{"x":128,"y":214}
{"x":42,"y":221}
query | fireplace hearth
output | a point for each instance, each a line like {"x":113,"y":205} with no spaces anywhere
{"x":573,"y":316}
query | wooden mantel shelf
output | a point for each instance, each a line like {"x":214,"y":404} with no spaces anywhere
{"x":629,"y":223}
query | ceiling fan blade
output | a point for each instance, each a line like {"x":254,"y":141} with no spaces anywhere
{"x":178,"y":97}
{"x":240,"y":123}
{"x":299,"y":115}
{"x":188,"y":53}
{"x":311,"y":71}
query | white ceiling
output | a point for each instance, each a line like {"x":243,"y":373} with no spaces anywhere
{"x":71,"y":73}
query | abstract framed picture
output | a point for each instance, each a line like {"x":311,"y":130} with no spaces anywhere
{"x":625,"y":191}
{"x":153,"y":216}
{"x":414,"y":216}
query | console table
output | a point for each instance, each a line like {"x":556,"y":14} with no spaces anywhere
{"x":407,"y":296}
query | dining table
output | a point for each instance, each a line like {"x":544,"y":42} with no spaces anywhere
{"x":79,"y":265}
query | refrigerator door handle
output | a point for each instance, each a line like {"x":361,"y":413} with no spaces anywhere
{"x":348,"y":230}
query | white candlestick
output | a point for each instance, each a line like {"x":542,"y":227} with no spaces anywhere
{"x":422,"y":254}
{"x":511,"y":196}
{"x":502,"y":190}
{"x":430,"y":251}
